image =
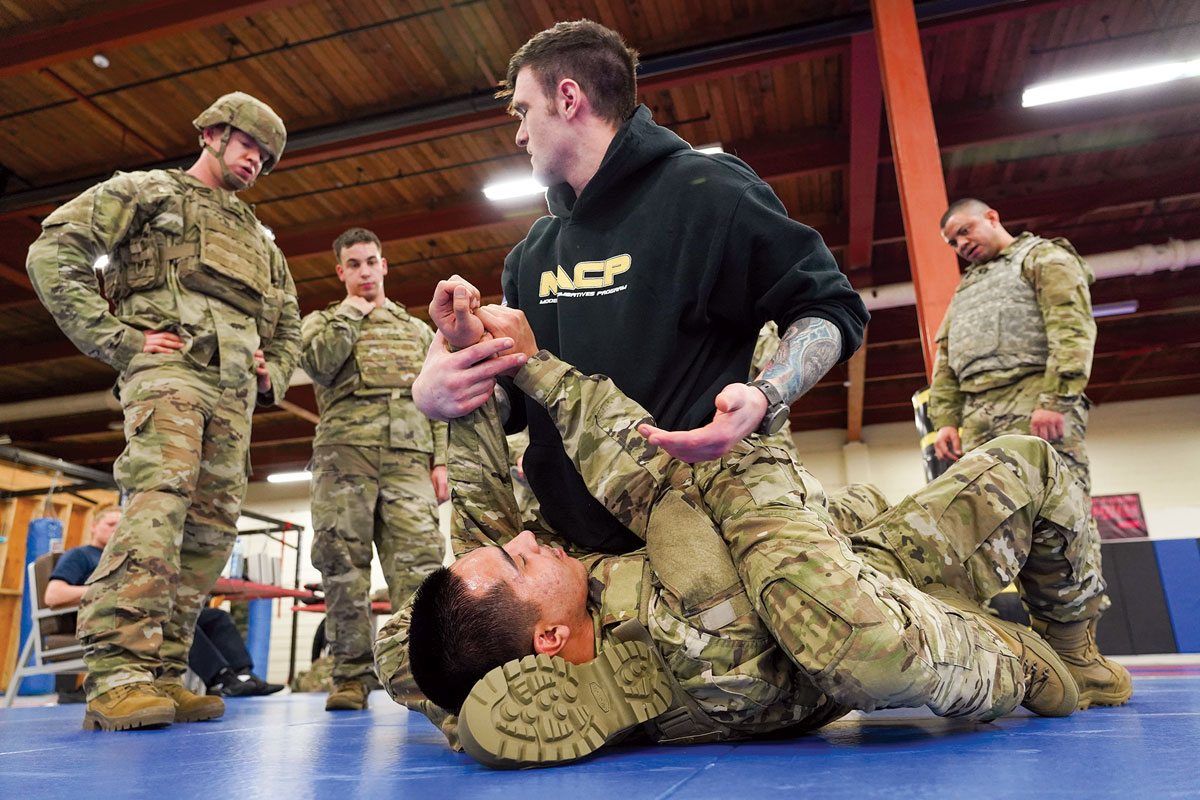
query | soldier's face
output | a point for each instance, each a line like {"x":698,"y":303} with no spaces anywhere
{"x":543,"y":132}
{"x":243,"y":156}
{"x":975,"y":237}
{"x":545,"y":576}
{"x":103,"y":528}
{"x":362,"y":269}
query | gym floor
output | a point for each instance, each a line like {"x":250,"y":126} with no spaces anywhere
{"x":288,"y":746}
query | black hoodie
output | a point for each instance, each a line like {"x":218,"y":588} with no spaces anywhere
{"x":660,"y":275}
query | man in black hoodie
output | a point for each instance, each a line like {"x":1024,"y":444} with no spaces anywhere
{"x":657,"y":267}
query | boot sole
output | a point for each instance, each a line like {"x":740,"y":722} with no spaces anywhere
{"x":340,"y":706}
{"x":1110,"y":697}
{"x":542,"y":710}
{"x":146,"y":718}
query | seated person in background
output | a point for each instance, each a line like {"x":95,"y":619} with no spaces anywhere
{"x":748,"y":612}
{"x":218,"y":653}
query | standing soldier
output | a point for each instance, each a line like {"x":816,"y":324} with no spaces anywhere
{"x":206,"y":323}
{"x":371,"y":458}
{"x":1014,"y":354}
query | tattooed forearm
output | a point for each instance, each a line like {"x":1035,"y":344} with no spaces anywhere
{"x":807,"y":350}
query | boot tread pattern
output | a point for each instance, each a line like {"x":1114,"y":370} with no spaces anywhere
{"x":544,"y":710}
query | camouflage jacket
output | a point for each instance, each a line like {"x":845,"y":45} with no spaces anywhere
{"x":719,"y":650}
{"x":144,"y":223}
{"x":363,"y":368}
{"x":1060,"y":281}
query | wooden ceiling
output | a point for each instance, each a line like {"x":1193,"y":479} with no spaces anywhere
{"x":392,"y":126}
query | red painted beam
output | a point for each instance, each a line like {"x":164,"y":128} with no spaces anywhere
{"x":918,"y":163}
{"x":130,"y":24}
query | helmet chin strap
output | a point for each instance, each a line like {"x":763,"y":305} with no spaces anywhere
{"x":231,"y":177}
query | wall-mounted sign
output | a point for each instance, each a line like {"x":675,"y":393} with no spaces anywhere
{"x":1119,"y":516}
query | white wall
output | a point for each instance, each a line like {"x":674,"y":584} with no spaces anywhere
{"x":1149,"y":447}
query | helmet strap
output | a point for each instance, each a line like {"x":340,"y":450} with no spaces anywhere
{"x":229,"y":175}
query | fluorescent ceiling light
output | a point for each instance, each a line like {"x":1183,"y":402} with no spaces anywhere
{"x":711,"y":148}
{"x":506,"y":190}
{"x":1105,"y":82}
{"x":289,"y":477}
{"x":1113,"y":309}
{"x":101,"y":263}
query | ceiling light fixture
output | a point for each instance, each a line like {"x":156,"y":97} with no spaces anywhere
{"x":1105,"y":82}
{"x":507,"y":190}
{"x":289,"y":477}
{"x":101,"y":60}
{"x":1114,"y":309}
{"x":101,"y":263}
{"x":711,"y":148}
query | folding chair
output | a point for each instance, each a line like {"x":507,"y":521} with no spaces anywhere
{"x":51,"y":647}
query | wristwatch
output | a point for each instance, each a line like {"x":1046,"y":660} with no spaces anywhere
{"x":777,"y":410}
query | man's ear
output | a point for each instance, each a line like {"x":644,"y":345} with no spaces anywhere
{"x":570,"y":98}
{"x":550,"y":639}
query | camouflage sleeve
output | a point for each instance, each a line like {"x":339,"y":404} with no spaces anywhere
{"x":1061,"y":279}
{"x":391,"y":666}
{"x":61,"y":267}
{"x":764,"y":349}
{"x":945,"y":398}
{"x":283,"y":348}
{"x":484,"y":510}
{"x":437,"y":428}
{"x":327,"y":339}
{"x":598,"y":425}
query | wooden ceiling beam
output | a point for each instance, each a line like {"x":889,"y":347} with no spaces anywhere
{"x":124,"y":26}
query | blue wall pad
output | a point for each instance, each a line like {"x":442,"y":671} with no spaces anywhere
{"x":1179,"y":565}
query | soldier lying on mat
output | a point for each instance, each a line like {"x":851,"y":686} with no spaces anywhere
{"x":748,"y":612}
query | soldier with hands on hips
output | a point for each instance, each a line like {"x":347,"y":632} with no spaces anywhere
{"x":206,"y":324}
{"x":378,"y":464}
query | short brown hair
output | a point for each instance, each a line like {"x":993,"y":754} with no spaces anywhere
{"x":592,"y":55}
{"x":352,"y":237}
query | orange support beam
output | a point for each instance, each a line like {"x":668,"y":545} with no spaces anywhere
{"x":918,"y":164}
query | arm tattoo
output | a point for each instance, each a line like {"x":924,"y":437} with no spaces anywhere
{"x":807,"y":350}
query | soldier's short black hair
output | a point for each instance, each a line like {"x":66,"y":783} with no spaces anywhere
{"x":592,"y":55}
{"x":455,"y":637}
{"x":352,"y":237}
{"x":968,"y":204}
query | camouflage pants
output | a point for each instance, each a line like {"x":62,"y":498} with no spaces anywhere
{"x":1008,"y":409}
{"x":184,"y":468}
{"x":858,"y":628}
{"x":360,"y":496}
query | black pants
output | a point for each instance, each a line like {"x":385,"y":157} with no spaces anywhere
{"x":217,"y":645}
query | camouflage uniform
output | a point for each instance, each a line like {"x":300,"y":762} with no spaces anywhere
{"x":371,"y":461}
{"x":817,"y":619}
{"x":1046,"y":366}
{"x":194,"y":261}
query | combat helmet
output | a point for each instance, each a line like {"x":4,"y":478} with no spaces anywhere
{"x":250,"y":115}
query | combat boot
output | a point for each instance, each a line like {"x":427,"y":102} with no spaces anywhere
{"x":125,"y":708}
{"x":347,"y":696}
{"x":542,"y":710}
{"x":190,"y":707}
{"x":1050,"y":689}
{"x":1101,"y":682}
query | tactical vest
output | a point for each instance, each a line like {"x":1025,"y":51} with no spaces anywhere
{"x":686,"y":557}
{"x":231,"y":260}
{"x":386,"y":357}
{"x":995,"y":321}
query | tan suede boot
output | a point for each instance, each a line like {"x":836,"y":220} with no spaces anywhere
{"x":190,"y":707}
{"x":1101,"y":682}
{"x":347,"y":696}
{"x":126,"y":708}
{"x":1050,"y":689}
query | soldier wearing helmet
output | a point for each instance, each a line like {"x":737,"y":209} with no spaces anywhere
{"x":205,"y":325}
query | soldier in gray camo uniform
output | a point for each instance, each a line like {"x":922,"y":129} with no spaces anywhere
{"x":748,"y":612}
{"x":378,"y":464}
{"x":206,"y":325}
